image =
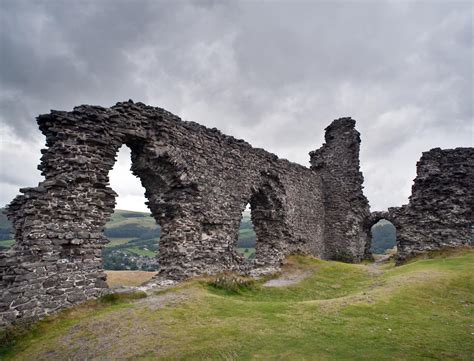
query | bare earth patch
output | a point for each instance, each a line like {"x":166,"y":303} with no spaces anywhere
{"x":380,"y":260}
{"x":117,"y":335}
{"x":169,"y":299}
{"x":128,"y":278}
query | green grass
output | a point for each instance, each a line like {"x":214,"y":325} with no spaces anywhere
{"x":419,"y":311}
{"x":141,"y":252}
{"x":120,"y":217}
{"x":115,"y":241}
{"x":329,"y":280}
{"x":247,"y":254}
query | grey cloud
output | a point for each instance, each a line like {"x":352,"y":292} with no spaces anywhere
{"x":274,"y":73}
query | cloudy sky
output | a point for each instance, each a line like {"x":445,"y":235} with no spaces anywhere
{"x":275,"y":73}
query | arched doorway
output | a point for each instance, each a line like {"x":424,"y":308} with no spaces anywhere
{"x":383,"y":236}
{"x":132,"y":231}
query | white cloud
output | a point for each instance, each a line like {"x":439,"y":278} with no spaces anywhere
{"x":131,"y":194}
{"x":18,"y":163}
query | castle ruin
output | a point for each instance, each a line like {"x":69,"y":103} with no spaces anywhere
{"x":198,"y":181}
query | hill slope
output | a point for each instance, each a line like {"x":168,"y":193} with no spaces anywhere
{"x":422,"y":310}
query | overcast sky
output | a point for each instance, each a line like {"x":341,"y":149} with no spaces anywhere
{"x":275,"y":73}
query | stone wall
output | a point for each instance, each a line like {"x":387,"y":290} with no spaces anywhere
{"x":346,"y":207}
{"x":197,"y":181}
{"x":440,"y":209}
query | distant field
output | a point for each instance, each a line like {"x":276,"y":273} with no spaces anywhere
{"x":248,"y":254}
{"x":122,"y":217}
{"x":142,"y":252}
{"x":7,"y":243}
{"x":246,"y":232}
{"x":117,"y":241}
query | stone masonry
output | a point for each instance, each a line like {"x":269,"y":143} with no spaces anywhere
{"x":440,"y":209}
{"x":197,"y":182}
{"x":346,"y":207}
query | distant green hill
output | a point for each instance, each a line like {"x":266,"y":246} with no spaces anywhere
{"x":384,"y":237}
{"x":134,"y":236}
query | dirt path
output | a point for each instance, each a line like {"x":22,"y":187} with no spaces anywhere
{"x":374,"y":268}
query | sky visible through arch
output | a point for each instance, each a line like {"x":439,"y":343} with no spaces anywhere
{"x":128,"y":187}
{"x":274,"y":73}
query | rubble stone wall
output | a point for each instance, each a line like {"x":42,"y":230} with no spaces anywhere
{"x":346,"y":207}
{"x":440,"y":209}
{"x":197,"y":182}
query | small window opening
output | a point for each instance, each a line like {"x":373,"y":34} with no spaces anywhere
{"x":247,"y":238}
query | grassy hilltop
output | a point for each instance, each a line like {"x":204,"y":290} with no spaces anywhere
{"x":419,"y":311}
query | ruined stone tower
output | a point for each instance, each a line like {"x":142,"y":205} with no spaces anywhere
{"x":346,"y":207}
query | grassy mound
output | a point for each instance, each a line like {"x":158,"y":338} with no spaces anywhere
{"x":422,"y":310}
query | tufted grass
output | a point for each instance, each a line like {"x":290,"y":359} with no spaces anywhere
{"x":419,"y":311}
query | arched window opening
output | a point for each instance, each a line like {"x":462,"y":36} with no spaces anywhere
{"x":384,"y":238}
{"x":132,"y":231}
{"x":247,"y":238}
